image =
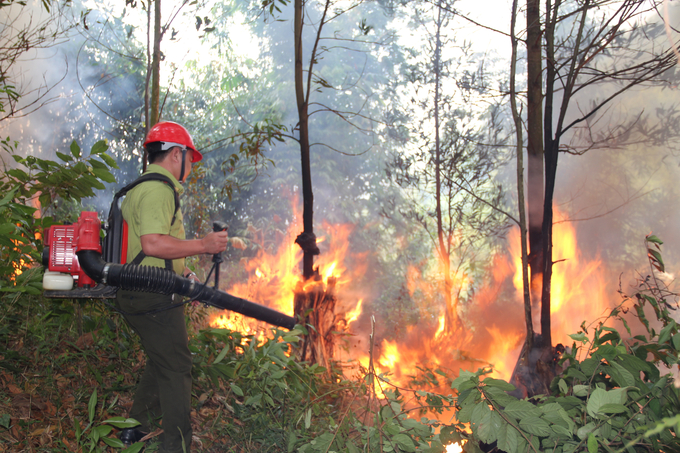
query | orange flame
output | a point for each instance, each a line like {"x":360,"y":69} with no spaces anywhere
{"x":454,"y":448}
{"x":487,"y":330}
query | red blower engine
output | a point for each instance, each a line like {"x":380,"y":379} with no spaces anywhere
{"x":73,"y":255}
{"x":62,"y":269}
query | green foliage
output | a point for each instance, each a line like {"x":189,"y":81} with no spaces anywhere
{"x":278,"y":404}
{"x":30,"y":182}
{"x":96,"y":432}
{"x":613,"y":399}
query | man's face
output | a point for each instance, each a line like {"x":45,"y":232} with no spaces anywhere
{"x":187,"y":163}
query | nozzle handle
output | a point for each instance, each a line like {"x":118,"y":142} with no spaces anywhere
{"x":217,"y":257}
{"x":220,"y":226}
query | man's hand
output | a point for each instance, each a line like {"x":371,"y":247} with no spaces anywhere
{"x":215,"y":242}
{"x":167,"y":247}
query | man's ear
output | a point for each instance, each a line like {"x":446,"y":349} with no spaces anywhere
{"x":177,"y":154}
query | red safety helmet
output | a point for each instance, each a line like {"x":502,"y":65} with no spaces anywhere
{"x":172,"y":134}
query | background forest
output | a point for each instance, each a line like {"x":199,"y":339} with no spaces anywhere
{"x":411,"y":115}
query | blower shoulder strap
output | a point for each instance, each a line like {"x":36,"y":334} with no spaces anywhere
{"x":149,"y":177}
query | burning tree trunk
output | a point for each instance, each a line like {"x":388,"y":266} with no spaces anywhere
{"x":317,"y":306}
{"x":535,"y":146}
{"x":306,"y":240}
{"x":313,"y":306}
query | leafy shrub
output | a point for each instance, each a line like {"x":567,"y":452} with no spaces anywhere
{"x":613,"y":399}
{"x":33,"y":182}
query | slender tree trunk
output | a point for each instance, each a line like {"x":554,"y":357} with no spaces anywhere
{"x":528,"y":343}
{"x":147,"y":83}
{"x":306,"y":240}
{"x":152,"y":105}
{"x":535,"y":146}
{"x":441,"y":236}
{"x":156,"y":66}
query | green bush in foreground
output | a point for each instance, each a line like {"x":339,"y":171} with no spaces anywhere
{"x":614,"y":399}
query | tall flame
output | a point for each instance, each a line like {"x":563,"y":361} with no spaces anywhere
{"x":490,"y":326}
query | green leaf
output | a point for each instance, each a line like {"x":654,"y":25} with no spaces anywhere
{"x":7,"y":228}
{"x":488,"y":427}
{"x":236,"y":389}
{"x":18,"y":174}
{"x":592,"y":443}
{"x":610,"y":408}
{"x":666,"y":332}
{"x":100,"y":147}
{"x":499,"y":396}
{"x":580,"y":337}
{"x":653,"y":238}
{"x":581,"y":390}
{"x":134,"y":448}
{"x":505,"y":386}
{"x":622,"y":376}
{"x":75,"y":149}
{"x":522,"y":409}
{"x":590,"y":365}
{"x":108,"y":160}
{"x":563,"y":386}
{"x":5,"y":420}
{"x":221,"y":356}
{"x":113,"y":442}
{"x":585,"y":430}
{"x":561,"y":431}
{"x":253,"y":400}
{"x":64,"y":157}
{"x":92,"y":405}
{"x":656,"y":259}
{"x":464,"y":376}
{"x":308,"y":418}
{"x":507,"y":439}
{"x":465,"y":414}
{"x":122,"y":423}
{"x":480,"y":411}
{"x":555,"y":414}
{"x":676,"y":341}
{"x":596,"y":400}
{"x":102,"y":430}
{"x":404,"y":442}
{"x":536,"y":426}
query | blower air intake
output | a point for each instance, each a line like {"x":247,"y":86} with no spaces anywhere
{"x":73,"y":255}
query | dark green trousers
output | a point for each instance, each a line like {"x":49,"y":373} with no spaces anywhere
{"x":164,"y":390}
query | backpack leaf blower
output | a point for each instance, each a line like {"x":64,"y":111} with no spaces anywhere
{"x":73,"y":254}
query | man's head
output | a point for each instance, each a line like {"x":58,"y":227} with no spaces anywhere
{"x":169,"y":143}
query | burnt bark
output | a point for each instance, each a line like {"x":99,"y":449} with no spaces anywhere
{"x":535,"y":198}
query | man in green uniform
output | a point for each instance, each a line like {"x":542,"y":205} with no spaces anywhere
{"x":156,"y":237}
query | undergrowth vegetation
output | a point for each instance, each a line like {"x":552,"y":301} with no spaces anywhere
{"x":68,"y":370}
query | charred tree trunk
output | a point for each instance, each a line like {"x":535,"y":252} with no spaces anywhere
{"x":535,"y":366}
{"x":306,"y":240}
{"x":314,"y":304}
{"x":517,"y":119}
{"x":535,"y":146}
{"x":318,"y":306}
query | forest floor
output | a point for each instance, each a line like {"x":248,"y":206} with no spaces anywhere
{"x":57,"y":387}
